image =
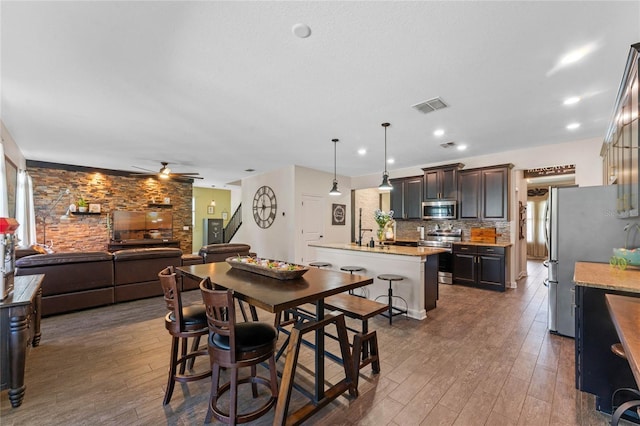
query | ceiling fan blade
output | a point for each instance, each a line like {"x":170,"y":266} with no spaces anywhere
{"x":184,"y":174}
{"x":147,"y":170}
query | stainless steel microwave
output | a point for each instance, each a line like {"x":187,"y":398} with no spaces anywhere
{"x":441,"y":209}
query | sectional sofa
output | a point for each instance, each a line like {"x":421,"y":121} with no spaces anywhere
{"x":82,"y":280}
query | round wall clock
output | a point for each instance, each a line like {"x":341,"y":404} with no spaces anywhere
{"x":264,"y":207}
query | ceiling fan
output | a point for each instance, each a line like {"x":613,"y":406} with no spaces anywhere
{"x":166,"y":173}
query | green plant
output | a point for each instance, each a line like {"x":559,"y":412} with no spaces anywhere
{"x":82,"y":202}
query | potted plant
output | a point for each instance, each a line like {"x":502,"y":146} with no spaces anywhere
{"x":82,"y":205}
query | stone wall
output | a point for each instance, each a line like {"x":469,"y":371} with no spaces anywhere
{"x":112,"y":190}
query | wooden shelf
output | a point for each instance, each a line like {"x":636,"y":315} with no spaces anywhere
{"x":85,"y":213}
{"x":159,"y":205}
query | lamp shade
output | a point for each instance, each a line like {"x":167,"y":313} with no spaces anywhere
{"x":334,"y":190}
{"x":8,"y":225}
{"x":385,"y":185}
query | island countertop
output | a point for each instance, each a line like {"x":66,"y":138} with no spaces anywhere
{"x":603,"y":275}
{"x":388,"y":249}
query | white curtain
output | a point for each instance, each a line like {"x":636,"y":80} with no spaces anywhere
{"x":536,"y":245}
{"x":4,"y":201}
{"x":25,"y":211}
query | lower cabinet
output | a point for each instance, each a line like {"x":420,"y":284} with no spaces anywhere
{"x":479,"y":266}
{"x":598,"y":370}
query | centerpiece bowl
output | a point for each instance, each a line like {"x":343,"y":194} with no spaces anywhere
{"x":270,"y":268}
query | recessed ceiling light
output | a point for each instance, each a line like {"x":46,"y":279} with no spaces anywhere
{"x":362,"y":151}
{"x":461,"y":147}
{"x":438,"y":132}
{"x":301,"y":30}
{"x":576,"y":55}
{"x":391,"y":161}
{"x":573,"y":126}
{"x":572,"y":100}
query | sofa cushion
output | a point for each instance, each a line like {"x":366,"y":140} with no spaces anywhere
{"x":146,"y":253}
{"x":219,"y":252}
{"x":143,"y":265}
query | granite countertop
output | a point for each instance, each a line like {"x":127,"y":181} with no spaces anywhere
{"x":472,"y":243}
{"x":603,"y":275}
{"x":475,"y":243}
{"x":625,"y":312}
{"x":388,"y":249}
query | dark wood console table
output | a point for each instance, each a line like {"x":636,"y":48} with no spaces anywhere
{"x":150,"y":242}
{"x":19,"y":329}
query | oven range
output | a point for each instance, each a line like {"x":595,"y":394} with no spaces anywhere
{"x":443,"y":238}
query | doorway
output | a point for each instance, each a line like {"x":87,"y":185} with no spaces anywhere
{"x":537,"y":196}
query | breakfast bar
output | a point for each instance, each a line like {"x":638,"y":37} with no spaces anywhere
{"x":418,"y":266}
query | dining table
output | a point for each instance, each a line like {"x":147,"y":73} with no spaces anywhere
{"x":277,"y":296}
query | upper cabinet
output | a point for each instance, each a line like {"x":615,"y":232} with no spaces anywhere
{"x":441,"y":182}
{"x":621,"y":144}
{"x":483,"y":193}
{"x":406,"y":198}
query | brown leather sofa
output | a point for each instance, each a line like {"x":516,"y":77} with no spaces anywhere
{"x":136,"y":271}
{"x":215,"y":253}
{"x":219,"y":252}
{"x":72,"y":281}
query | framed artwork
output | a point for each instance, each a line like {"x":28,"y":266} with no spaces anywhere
{"x":225,"y":215}
{"x":211,"y":209}
{"x":338,"y":214}
{"x":94,"y":208}
{"x":12,"y":185}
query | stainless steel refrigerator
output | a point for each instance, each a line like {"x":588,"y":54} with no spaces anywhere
{"x":581,"y":225}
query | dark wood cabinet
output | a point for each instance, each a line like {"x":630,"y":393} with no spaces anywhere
{"x":479,"y":266}
{"x":441,"y":182}
{"x":484,"y":193}
{"x":406,"y":197}
{"x":598,"y":370}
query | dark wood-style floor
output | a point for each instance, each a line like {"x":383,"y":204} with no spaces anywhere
{"x":480,"y":358}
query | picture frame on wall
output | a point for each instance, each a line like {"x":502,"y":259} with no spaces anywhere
{"x":94,"y":208}
{"x":338,"y":214}
{"x":211,"y":209}
{"x":225,"y":215}
{"x":12,"y":185}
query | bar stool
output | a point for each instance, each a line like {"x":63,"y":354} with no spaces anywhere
{"x":619,"y":351}
{"x":351,"y":270}
{"x":320,"y":264}
{"x":393,"y":310}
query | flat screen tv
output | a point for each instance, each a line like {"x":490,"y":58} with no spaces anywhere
{"x":129,"y":225}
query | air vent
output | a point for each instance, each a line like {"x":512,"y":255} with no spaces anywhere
{"x":448,"y":145}
{"x":430,"y":105}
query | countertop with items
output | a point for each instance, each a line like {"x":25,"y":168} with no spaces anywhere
{"x":474,"y":243}
{"x":605,"y":276}
{"x":387,"y":249}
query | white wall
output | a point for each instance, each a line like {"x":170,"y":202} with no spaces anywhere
{"x":11,"y":149}
{"x":282,"y":240}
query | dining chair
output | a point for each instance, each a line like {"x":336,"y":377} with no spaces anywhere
{"x":233,"y":346}
{"x":183,"y":323}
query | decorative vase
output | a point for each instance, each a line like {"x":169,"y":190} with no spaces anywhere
{"x":82,"y":209}
{"x":381,"y":234}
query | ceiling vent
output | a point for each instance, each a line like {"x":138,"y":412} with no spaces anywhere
{"x":448,"y":145}
{"x":430,"y":105}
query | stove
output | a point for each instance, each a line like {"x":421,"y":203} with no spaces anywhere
{"x":443,"y":238}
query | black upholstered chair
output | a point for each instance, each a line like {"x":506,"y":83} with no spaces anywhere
{"x":183,"y":323}
{"x":233,"y":346}
{"x":630,"y":396}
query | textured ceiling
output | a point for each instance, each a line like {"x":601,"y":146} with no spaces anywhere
{"x":220,"y":87}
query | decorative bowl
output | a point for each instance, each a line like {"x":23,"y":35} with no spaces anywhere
{"x":270,"y":268}
{"x":632,"y":256}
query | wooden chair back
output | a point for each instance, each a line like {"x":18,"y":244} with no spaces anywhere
{"x":221,"y":314}
{"x":172,"y":297}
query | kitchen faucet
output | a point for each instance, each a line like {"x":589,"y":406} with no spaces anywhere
{"x":362,"y":231}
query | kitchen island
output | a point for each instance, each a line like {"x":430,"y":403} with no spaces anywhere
{"x":418,"y":266}
{"x":598,"y":370}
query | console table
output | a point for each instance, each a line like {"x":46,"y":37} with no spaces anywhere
{"x":19,"y":329}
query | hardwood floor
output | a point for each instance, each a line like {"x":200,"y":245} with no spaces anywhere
{"x":480,"y":358}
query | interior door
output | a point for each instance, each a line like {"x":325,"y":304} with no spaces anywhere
{"x":312,"y":225}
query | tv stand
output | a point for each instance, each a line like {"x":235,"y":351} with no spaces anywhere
{"x":142,"y":243}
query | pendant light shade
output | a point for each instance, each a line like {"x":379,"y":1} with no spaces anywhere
{"x":385,"y":185}
{"x":334,"y":189}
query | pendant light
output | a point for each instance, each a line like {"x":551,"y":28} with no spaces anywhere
{"x":334,"y":190}
{"x":385,"y":185}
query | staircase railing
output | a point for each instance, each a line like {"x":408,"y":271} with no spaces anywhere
{"x":234,"y":224}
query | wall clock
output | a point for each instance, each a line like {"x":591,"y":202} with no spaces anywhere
{"x":264,"y":207}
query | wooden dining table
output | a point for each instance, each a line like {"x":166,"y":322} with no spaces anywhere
{"x":276,"y":296}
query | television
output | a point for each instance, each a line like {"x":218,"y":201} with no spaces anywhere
{"x":128,"y":225}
